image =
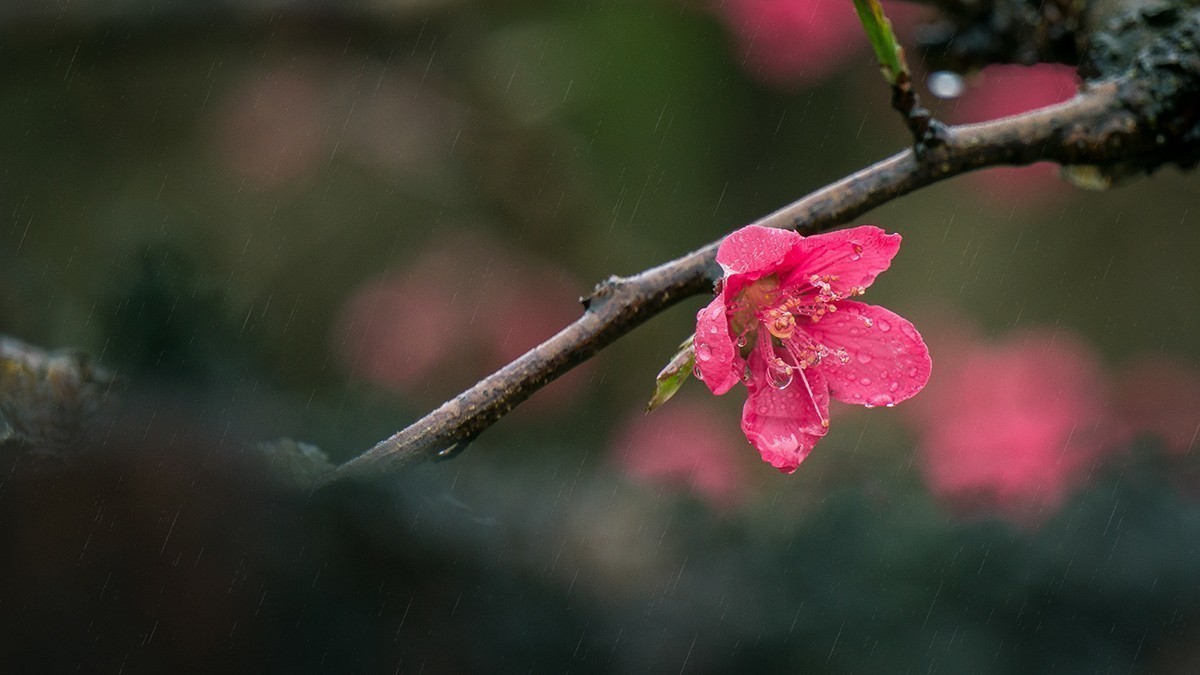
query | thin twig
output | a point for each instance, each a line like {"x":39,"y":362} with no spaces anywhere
{"x":893,"y":65}
{"x":1094,"y":127}
{"x":927,"y":132}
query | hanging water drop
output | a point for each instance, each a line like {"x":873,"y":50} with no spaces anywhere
{"x":779,"y":374}
{"x":881,"y":399}
{"x":945,"y":84}
{"x":452,"y":451}
{"x":697,"y":373}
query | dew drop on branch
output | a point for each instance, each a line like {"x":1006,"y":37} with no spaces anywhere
{"x":945,"y":84}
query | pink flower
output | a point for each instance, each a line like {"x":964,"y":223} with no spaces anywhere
{"x":1013,"y":428}
{"x":683,"y":444}
{"x":1161,"y":397}
{"x":782,"y":322}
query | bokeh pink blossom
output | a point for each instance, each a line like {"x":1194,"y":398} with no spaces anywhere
{"x":271,"y":127}
{"x":685,"y":444}
{"x":465,"y":307}
{"x":1012,"y":428}
{"x":794,"y":43}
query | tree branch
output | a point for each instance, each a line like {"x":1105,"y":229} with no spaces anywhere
{"x":1135,"y":122}
{"x":1086,"y":129}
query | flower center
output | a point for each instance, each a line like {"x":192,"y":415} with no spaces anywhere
{"x":779,"y":309}
{"x":778,"y":315}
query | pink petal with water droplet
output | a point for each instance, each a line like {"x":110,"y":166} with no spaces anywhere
{"x":888,"y":362}
{"x":784,"y":424}
{"x":716,"y":356}
{"x":755,"y":250}
{"x":855,"y":256}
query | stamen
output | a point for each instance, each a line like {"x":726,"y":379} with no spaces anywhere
{"x":780,"y":323}
{"x":813,"y":399}
{"x":805,"y":355}
{"x":779,"y":374}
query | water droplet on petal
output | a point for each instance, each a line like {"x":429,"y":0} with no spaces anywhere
{"x":866,"y":381}
{"x":864,"y":357}
{"x":697,"y":372}
{"x":779,"y":374}
{"x":884,"y":325}
{"x":894,"y":387}
{"x":912,"y":372}
{"x":881,"y":399}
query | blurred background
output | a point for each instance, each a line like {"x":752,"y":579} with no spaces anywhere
{"x":314,"y":221}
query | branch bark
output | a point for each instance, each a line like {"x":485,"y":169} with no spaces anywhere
{"x":1093,"y":127}
{"x":1136,"y":121}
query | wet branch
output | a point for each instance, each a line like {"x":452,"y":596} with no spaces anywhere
{"x":1095,"y":127}
{"x":1140,"y":111}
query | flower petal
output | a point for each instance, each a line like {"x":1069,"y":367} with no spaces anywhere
{"x":785,"y":424}
{"x":855,"y":256}
{"x":756,"y":250}
{"x":888,"y":360}
{"x":717,"y":360}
